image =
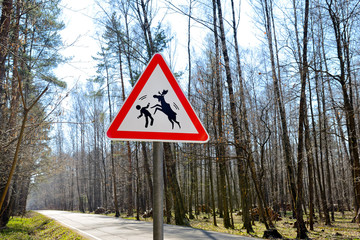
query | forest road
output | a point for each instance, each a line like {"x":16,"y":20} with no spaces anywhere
{"x":102,"y":227}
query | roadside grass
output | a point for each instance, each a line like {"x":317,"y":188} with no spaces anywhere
{"x":342,"y":228}
{"x":34,"y":226}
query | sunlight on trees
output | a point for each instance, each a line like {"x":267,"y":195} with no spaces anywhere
{"x":283,"y":115}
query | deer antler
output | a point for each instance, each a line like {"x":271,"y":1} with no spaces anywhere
{"x":164,"y":92}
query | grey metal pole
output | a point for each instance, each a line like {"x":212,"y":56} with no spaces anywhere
{"x":158,"y":202}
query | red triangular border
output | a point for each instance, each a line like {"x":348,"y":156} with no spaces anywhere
{"x":114,"y":134}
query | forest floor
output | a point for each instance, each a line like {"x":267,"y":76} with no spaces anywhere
{"x":36,"y":226}
{"x":342,"y":228}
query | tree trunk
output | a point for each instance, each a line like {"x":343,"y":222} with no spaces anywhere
{"x":6,"y":13}
{"x":267,"y":8}
{"x":341,"y":35}
{"x":320,"y":168}
{"x":147,"y":171}
{"x":212,"y":189}
{"x":180,"y":217}
{"x":243,"y":178}
{"x":310,"y":159}
{"x":247,"y":140}
{"x":301,"y":229}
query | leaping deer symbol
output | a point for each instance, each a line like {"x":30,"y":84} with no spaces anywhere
{"x":165,"y":108}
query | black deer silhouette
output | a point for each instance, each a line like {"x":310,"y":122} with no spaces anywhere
{"x":165,"y":108}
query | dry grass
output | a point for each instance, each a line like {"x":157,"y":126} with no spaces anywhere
{"x":342,"y":228}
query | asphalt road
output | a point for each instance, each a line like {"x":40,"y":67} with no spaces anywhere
{"x":102,"y":227}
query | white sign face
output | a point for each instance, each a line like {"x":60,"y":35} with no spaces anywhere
{"x":160,"y":109}
{"x":157,"y":110}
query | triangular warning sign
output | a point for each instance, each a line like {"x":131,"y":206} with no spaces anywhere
{"x":157,"y":110}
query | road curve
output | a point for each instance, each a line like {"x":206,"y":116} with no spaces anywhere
{"x":100,"y":227}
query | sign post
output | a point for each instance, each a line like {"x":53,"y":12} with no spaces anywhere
{"x":157,"y":110}
{"x":158,"y":203}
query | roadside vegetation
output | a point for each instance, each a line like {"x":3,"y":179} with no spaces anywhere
{"x":36,"y":226}
{"x":341,"y":228}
